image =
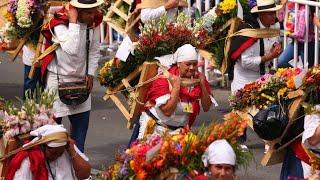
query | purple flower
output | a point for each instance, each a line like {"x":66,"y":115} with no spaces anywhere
{"x":123,"y":170}
{"x":12,"y":6}
{"x":252,"y":3}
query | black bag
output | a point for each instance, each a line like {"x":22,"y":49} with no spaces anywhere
{"x":270,"y":123}
{"x":73,"y":93}
{"x":77,"y":92}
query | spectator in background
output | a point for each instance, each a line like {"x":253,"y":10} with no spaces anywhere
{"x":296,"y":33}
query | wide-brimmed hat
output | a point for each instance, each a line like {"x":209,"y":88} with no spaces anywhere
{"x":86,"y":3}
{"x":265,"y":6}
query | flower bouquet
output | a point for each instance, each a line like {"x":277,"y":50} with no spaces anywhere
{"x":265,"y":90}
{"x":311,"y":86}
{"x":23,"y":17}
{"x":152,"y":157}
{"x":36,"y":111}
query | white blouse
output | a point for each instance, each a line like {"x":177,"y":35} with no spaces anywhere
{"x":311,"y":123}
{"x":247,"y":68}
{"x":61,"y":168}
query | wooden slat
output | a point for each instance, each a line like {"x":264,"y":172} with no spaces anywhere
{"x":149,"y":70}
{"x":119,"y":13}
{"x":131,"y":23}
{"x":116,"y":27}
{"x":120,"y":106}
{"x":128,"y":1}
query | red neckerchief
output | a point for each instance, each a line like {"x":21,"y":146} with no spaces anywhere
{"x":160,"y":87}
{"x":37,"y":164}
{"x":60,"y":17}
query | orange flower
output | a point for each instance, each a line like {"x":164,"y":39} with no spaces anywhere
{"x":142,"y":175}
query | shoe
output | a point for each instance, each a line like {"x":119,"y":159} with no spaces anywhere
{"x":243,"y":147}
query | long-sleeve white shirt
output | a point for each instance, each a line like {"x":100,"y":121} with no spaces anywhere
{"x":247,"y":67}
{"x":71,"y":59}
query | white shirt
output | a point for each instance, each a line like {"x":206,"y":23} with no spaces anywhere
{"x":149,"y":14}
{"x":61,"y":168}
{"x":27,"y":55}
{"x":311,"y":123}
{"x":71,"y":58}
{"x":247,"y":67}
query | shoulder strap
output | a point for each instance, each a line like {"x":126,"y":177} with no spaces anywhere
{"x":87,"y":49}
{"x":262,"y":65}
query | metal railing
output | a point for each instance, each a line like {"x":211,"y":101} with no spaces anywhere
{"x":307,"y":4}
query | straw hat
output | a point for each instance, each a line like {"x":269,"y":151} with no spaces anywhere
{"x":84,"y":4}
{"x":265,"y":6}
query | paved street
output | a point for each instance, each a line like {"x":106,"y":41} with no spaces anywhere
{"x":107,"y":131}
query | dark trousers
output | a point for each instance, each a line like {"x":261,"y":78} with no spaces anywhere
{"x":30,"y":83}
{"x":79,"y":127}
{"x":291,"y":166}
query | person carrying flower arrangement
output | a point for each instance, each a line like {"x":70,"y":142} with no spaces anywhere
{"x":220,"y":159}
{"x":252,"y":56}
{"x":70,"y":69}
{"x":172,"y":105}
{"x":56,"y":159}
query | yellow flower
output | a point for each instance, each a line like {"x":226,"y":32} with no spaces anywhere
{"x":227,"y":5}
{"x":190,"y":137}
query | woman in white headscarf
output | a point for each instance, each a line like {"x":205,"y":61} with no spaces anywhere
{"x":171,"y":104}
{"x":57,"y":159}
{"x":220,"y":160}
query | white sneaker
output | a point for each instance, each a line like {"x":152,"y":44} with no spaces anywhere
{"x":243,"y":147}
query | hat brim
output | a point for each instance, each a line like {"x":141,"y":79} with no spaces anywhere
{"x":255,"y":9}
{"x":76,"y":4}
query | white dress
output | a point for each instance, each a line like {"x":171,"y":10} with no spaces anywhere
{"x":61,"y":168}
{"x":71,"y":58}
{"x":149,"y":14}
{"x":247,"y":67}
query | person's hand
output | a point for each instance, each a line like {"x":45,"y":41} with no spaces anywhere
{"x":175,"y":81}
{"x":316,"y":21}
{"x":89,"y":81}
{"x":201,"y":77}
{"x":276,"y":50}
{"x":73,"y":14}
{"x":171,"y":4}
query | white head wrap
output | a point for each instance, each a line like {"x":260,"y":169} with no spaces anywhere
{"x":219,"y":152}
{"x":184,"y":53}
{"x":46,"y":130}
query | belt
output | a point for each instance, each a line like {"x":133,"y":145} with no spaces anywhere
{"x":149,"y":113}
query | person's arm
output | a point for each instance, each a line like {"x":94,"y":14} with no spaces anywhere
{"x":205,"y":95}
{"x":94,"y":55}
{"x":316,"y":21}
{"x":149,"y":14}
{"x":171,"y":105}
{"x":69,"y":37}
{"x":311,"y":133}
{"x":251,"y":59}
{"x":81,"y":167}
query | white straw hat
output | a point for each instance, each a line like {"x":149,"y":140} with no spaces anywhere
{"x":265,"y":6}
{"x":85,"y":4}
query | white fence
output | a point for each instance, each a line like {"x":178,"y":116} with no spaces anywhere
{"x":307,"y":4}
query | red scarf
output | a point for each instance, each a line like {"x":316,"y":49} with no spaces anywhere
{"x":60,"y":17}
{"x":160,"y":87}
{"x":37,"y":164}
